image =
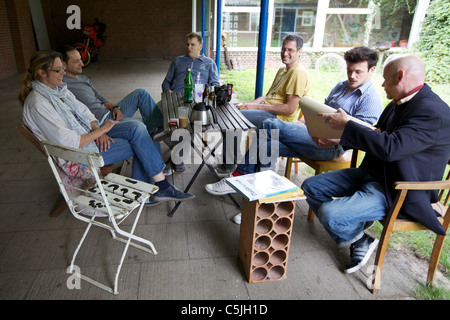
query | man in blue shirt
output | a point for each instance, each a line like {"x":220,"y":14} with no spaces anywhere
{"x":356,"y":96}
{"x":199,"y":64}
{"x":196,"y":61}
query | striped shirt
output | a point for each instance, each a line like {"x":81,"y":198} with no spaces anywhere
{"x":363,"y":103}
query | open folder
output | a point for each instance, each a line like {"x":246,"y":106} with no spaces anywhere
{"x":265,"y":186}
{"x":316,"y":125}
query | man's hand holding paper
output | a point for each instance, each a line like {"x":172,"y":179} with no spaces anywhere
{"x":325,"y":143}
{"x":325,"y":122}
{"x":337,"y":120}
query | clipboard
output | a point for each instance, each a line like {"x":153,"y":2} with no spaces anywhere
{"x":316,"y":125}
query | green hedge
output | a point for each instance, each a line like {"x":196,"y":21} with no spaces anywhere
{"x":434,"y":43}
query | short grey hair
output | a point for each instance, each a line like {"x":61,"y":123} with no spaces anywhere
{"x":296,"y":38}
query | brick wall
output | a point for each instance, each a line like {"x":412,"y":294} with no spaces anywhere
{"x":249,"y":59}
{"x":7,"y":60}
{"x":17,"y":37}
{"x":22,"y":33}
{"x":134,"y":28}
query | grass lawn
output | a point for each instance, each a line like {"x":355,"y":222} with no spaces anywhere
{"x":321,"y":84}
{"x":244,"y":81}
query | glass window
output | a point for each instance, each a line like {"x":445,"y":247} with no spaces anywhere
{"x":242,"y":3}
{"x":306,"y":23}
{"x":344,"y":30}
{"x":392,"y":23}
{"x":242,"y":28}
{"x":349,"y":3}
{"x":294,"y":16}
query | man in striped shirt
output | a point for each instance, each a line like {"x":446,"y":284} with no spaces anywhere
{"x":356,"y":96}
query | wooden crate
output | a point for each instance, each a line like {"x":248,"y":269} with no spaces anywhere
{"x":265,"y":238}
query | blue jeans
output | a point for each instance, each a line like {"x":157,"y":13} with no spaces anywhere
{"x":343,"y":200}
{"x":293,"y":141}
{"x":257,"y":116}
{"x":141,"y":100}
{"x":131,"y":139}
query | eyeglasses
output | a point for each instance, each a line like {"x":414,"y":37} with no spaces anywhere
{"x":290,"y":50}
{"x":59,"y":70}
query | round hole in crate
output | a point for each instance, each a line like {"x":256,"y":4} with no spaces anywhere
{"x":282,"y":225}
{"x":280,"y":241}
{"x":260,"y":258}
{"x":259,"y":274}
{"x":266,"y":209}
{"x":262,"y":242}
{"x":278,"y":257}
{"x":276,"y":272}
{"x":285,"y":208}
{"x":264,"y":226}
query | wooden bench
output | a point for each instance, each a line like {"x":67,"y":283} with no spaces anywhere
{"x":228,"y":116}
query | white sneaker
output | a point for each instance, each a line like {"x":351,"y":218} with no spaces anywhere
{"x":237,"y":218}
{"x":219,"y":188}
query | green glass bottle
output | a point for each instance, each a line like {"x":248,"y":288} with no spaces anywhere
{"x":188,"y":87}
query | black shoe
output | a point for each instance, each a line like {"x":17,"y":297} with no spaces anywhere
{"x":159,"y":134}
{"x":360,"y":252}
{"x":151,"y":201}
{"x":178,"y":167}
{"x":173,"y":194}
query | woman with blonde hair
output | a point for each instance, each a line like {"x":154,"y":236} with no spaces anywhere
{"x":53,"y":113}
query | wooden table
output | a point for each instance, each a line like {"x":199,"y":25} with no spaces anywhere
{"x":229,"y":118}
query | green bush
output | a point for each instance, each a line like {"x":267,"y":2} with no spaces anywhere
{"x":434,"y":43}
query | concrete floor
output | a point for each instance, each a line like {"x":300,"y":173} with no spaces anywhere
{"x":197,"y":247}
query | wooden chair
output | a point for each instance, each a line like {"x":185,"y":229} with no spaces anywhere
{"x":26,"y":132}
{"x":61,"y":204}
{"x":347,"y":160}
{"x":391,"y":223}
{"x":106,"y":204}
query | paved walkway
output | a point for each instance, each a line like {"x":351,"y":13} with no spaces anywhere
{"x":197,"y":247}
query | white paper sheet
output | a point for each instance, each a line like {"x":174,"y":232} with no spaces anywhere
{"x":316,"y":125}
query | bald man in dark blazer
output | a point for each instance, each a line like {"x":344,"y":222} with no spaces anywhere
{"x":412,"y":143}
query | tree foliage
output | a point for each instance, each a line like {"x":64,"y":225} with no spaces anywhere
{"x":434,"y":43}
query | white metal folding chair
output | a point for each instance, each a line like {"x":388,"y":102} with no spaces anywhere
{"x":114,"y":196}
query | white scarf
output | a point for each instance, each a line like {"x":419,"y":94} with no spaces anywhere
{"x":67,"y":108}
